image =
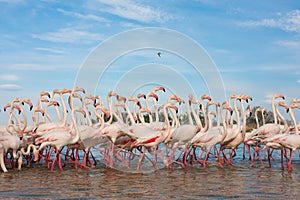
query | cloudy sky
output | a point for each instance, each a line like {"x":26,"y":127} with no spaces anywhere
{"x":253,"y":47}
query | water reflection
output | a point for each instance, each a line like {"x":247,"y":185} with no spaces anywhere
{"x":240,"y":181}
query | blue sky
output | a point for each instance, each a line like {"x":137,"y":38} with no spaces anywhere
{"x":255,"y":45}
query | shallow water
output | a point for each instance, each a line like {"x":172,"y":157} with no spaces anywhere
{"x":238,"y":181}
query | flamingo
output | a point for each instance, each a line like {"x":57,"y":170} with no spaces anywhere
{"x":291,"y":141}
{"x":91,"y":136}
{"x":153,"y":138}
{"x":60,"y":138}
{"x":240,"y":137}
{"x":271,"y":130}
{"x":213,"y":136}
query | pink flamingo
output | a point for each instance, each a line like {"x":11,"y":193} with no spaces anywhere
{"x":61,"y":138}
{"x":154,"y":138}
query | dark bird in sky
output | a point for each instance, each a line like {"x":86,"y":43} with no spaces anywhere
{"x":158,"y":53}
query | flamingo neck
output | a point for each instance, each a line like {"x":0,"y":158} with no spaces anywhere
{"x":148,"y":107}
{"x":281,"y":118}
{"x":223,"y":123}
{"x":294,"y":121}
{"x":75,"y":135}
{"x":65,"y":116}
{"x":56,"y":110}
{"x":274,"y":110}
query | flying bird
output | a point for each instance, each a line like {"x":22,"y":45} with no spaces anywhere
{"x":158,"y":53}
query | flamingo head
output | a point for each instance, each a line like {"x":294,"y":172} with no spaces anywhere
{"x":121,"y":98}
{"x":233,"y":96}
{"x":26,"y":100}
{"x":91,"y":97}
{"x":295,"y":100}
{"x":16,"y":100}
{"x":141,"y":96}
{"x":278,"y":96}
{"x":44,"y":100}
{"x":6,"y":106}
{"x":56,"y":91}
{"x":205,"y":96}
{"x":44,"y":93}
{"x":39,"y":110}
{"x":78,"y":89}
{"x":54,"y":103}
{"x":294,"y":105}
{"x":157,"y":88}
{"x":152,"y":94}
{"x":249,"y":107}
{"x":18,"y":108}
{"x":112,"y":93}
{"x":131,"y":98}
{"x":65,"y":91}
{"x":173,"y":107}
{"x":283,"y":104}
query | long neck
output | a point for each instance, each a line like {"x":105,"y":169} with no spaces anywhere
{"x":244,"y":120}
{"x":206,"y":126}
{"x":141,"y":117}
{"x":56,"y":109}
{"x":237,"y":116}
{"x":75,"y":133}
{"x":256,"y":118}
{"x":196,"y":117}
{"x":188,"y":110}
{"x":65,"y":116}
{"x":88,"y":117}
{"x":156,"y":110}
{"x":24,"y":119}
{"x":224,"y":123}
{"x":294,"y":120}
{"x":263,"y":117}
{"x":167,"y":132}
{"x":47,"y":114}
{"x":175,"y":121}
{"x":111,"y":110}
{"x":274,"y":111}
{"x":129,"y":114}
{"x":281,"y":118}
{"x":147,"y":106}
{"x":101,"y":119}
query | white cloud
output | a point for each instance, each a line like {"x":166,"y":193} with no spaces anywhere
{"x":298,"y":81}
{"x":135,"y":11}
{"x":68,"y":35}
{"x":81,"y":16}
{"x":9,"y":78}
{"x":29,"y":67}
{"x":56,"y":51}
{"x":10,"y":87}
{"x":289,"y":22}
{"x":288,"y":43}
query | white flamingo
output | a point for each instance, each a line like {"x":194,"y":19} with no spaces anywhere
{"x":61,"y":138}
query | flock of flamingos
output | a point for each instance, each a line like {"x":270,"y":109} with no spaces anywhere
{"x":63,"y":127}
